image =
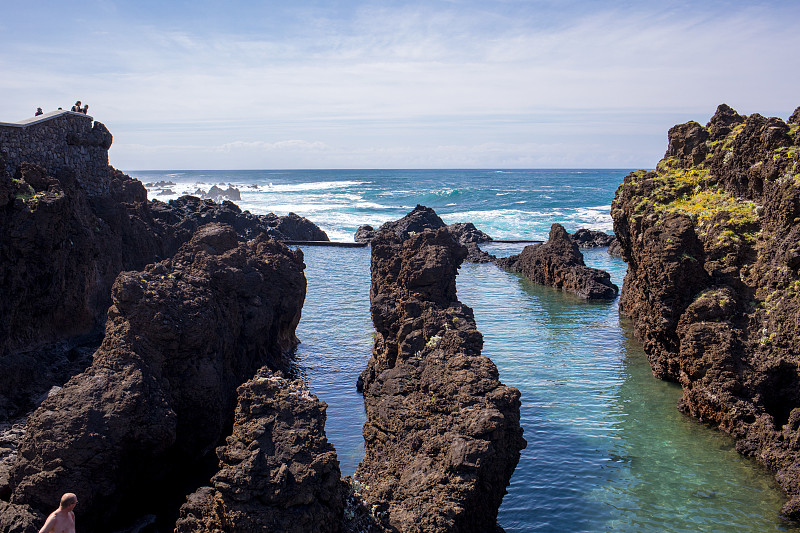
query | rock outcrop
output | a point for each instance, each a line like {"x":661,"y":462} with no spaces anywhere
{"x":219,"y":195}
{"x":422,"y":218}
{"x":185,"y":214}
{"x":160,"y":394}
{"x":364,"y":233}
{"x":711,"y":240}
{"x":588,"y":238}
{"x":278,"y":472}
{"x":61,"y":250}
{"x":559,"y":263}
{"x":442,"y":436}
{"x":55,"y":274}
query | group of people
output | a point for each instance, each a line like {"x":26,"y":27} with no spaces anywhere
{"x":78,"y":109}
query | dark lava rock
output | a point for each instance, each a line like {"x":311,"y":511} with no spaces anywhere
{"x":63,"y":245}
{"x":559,"y":263}
{"x":55,"y":275}
{"x":161,"y":391}
{"x":588,"y":238}
{"x":21,"y":518}
{"x":615,"y":249}
{"x":219,"y":195}
{"x":466,"y":232}
{"x":687,"y":143}
{"x":422,"y":218}
{"x":795,"y":118}
{"x":442,"y":436}
{"x":711,"y":240}
{"x":187,"y":213}
{"x":418,"y":220}
{"x":364,"y":233}
{"x":278,"y":472}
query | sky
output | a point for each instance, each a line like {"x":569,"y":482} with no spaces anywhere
{"x":387,"y":84}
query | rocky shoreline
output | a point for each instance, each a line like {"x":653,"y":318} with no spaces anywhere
{"x":196,"y":304}
{"x":710,"y":238}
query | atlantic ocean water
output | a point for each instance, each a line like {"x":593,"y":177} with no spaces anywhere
{"x":607,"y":448}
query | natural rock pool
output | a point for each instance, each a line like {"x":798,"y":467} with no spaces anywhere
{"x":607,"y":449}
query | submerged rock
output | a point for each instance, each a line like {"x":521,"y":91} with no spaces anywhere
{"x":710,"y":238}
{"x":161,"y":390}
{"x":442,"y":436}
{"x":559,"y":263}
{"x":278,"y":472}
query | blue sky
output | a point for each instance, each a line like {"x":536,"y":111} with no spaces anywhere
{"x":360,"y":84}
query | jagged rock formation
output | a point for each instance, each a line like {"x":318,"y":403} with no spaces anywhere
{"x":466,"y":232}
{"x":219,"y":195}
{"x":55,"y":273}
{"x":615,"y":249}
{"x":364,"y":233}
{"x":161,"y":391}
{"x":442,"y":436}
{"x":711,"y":240}
{"x":588,"y":238}
{"x":60,"y":251}
{"x":421,"y":218}
{"x":16,"y":518}
{"x":559,"y":263}
{"x":278,"y":472}
{"x":187,"y":213}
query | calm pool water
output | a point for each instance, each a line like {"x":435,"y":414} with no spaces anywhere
{"x":607,"y":449}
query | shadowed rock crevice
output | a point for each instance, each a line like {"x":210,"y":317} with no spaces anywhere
{"x":277,"y":470}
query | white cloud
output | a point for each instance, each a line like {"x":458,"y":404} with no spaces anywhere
{"x":395,"y":82}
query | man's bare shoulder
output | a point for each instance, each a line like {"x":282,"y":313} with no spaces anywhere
{"x":59,"y":523}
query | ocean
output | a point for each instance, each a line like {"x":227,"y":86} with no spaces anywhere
{"x":607,"y":448}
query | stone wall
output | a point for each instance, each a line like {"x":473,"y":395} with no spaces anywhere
{"x":56,"y":141}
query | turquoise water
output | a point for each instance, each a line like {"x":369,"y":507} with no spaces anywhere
{"x":607,"y":449}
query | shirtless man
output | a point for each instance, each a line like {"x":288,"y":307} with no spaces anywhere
{"x":62,"y":520}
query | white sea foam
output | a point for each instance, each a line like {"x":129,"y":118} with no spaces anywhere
{"x":309,"y":186}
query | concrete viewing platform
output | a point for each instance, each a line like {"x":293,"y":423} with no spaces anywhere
{"x":43,"y":118}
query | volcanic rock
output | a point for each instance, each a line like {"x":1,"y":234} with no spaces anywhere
{"x":442,"y":436}
{"x":278,"y":472}
{"x":20,"y":518}
{"x":559,"y":263}
{"x":364,"y":233}
{"x":421,"y":218}
{"x":219,"y":195}
{"x":54,"y":278}
{"x":712,"y":287}
{"x":161,"y":391}
{"x":187,"y":213}
{"x":65,"y":235}
{"x":588,"y":238}
{"x":466,"y":232}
